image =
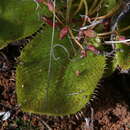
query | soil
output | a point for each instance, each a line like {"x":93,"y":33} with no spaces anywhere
{"x":109,"y":108}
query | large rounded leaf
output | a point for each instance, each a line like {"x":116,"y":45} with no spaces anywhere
{"x":19,"y":18}
{"x":63,"y":89}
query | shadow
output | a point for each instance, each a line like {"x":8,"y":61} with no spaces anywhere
{"x":113,"y":90}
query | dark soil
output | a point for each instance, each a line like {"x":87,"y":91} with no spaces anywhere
{"x":108,"y":110}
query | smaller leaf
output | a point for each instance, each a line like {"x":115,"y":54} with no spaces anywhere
{"x":122,"y":38}
{"x":50,"y":6}
{"x":90,"y":33}
{"x":83,"y":53}
{"x":64,"y":32}
{"x":80,"y":35}
{"x":49,"y":21}
{"x":93,"y":49}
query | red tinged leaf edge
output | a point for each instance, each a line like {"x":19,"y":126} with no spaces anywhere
{"x":64,"y":31}
{"x":49,"y":21}
{"x":89,"y":33}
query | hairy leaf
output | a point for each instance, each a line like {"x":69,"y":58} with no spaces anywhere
{"x":61,"y":91}
{"x":122,"y":58}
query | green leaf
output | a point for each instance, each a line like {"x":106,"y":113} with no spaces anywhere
{"x":122,"y":59}
{"x":62,"y":91}
{"x":18,"y":19}
{"x":109,"y":6}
